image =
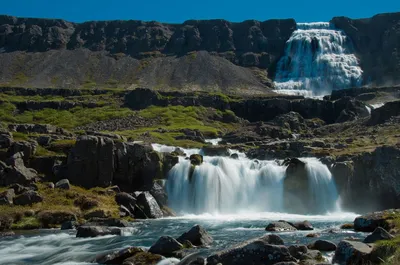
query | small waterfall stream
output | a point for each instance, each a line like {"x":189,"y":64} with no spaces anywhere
{"x":318,"y":59}
{"x":223,"y":185}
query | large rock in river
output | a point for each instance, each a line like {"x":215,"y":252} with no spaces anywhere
{"x":197,"y":235}
{"x":148,"y":206}
{"x":258,"y":251}
{"x":165,"y":246}
{"x":352,"y":253}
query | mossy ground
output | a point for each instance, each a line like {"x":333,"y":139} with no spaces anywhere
{"x":58,"y":200}
{"x":389,"y":250}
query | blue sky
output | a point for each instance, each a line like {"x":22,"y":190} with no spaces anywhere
{"x":177,"y":11}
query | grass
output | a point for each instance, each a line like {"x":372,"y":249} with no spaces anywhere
{"x":389,"y":250}
{"x":58,"y":201}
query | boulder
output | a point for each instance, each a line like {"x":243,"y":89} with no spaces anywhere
{"x":148,"y":206}
{"x":323,"y":245}
{"x":91,"y":162}
{"x":108,"y":222}
{"x":303,"y":226}
{"x":7,"y":197}
{"x":6,"y":139}
{"x":126,"y":200}
{"x":51,"y":218}
{"x":28,"y":148}
{"x":378,"y":234}
{"x":165,"y":246}
{"x":94,"y":231}
{"x":117,"y":257}
{"x":215,"y":150}
{"x":197,"y":235}
{"x":369,"y":222}
{"x":5,"y":222}
{"x":292,"y":121}
{"x":281,"y":226}
{"x":159,"y":193}
{"x":235,"y":156}
{"x":298,"y":251}
{"x":86,"y":203}
{"x":384,"y":113}
{"x":196,"y":159}
{"x":19,"y":189}
{"x":352,"y":252}
{"x":16,"y":172}
{"x":63,"y":184}
{"x":256,"y":251}
{"x":28,"y":198}
{"x":169,"y":161}
{"x":143,"y":258}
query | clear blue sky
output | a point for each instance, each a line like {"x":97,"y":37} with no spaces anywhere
{"x":178,"y":11}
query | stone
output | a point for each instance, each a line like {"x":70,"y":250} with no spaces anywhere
{"x":196,"y":159}
{"x":28,"y":148}
{"x":256,"y":251}
{"x":68,"y":225}
{"x":384,"y":113}
{"x":197,"y":235}
{"x":117,"y":257}
{"x":148,"y":206}
{"x":143,"y":258}
{"x":159,"y":193}
{"x":28,"y":198}
{"x":6,"y":139}
{"x":298,"y":251}
{"x":165,"y":246}
{"x":126,"y":200}
{"x":371,"y":221}
{"x":281,"y":226}
{"x":352,"y":252}
{"x":16,"y":172}
{"x":19,"y":189}
{"x":378,"y":234}
{"x":323,"y":245}
{"x":51,"y":185}
{"x":303,"y":226}
{"x":235,"y":156}
{"x":53,"y":218}
{"x":86,"y":203}
{"x":94,"y":231}
{"x":313,"y":235}
{"x":348,"y":226}
{"x":215,"y":150}
{"x":63,"y":184}
{"x":5,"y":222}
{"x":108,"y":222}
{"x":7,"y":197}
{"x":99,"y":213}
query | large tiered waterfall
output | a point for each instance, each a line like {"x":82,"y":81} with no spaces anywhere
{"x":318,"y":59}
{"x":223,"y":185}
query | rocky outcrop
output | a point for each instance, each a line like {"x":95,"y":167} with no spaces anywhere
{"x":384,"y":113}
{"x":375,"y":42}
{"x":256,"y":251}
{"x":148,"y":206}
{"x":280,"y":226}
{"x":16,"y":172}
{"x":378,"y":234}
{"x":94,"y":231}
{"x":371,"y":221}
{"x":165,"y":246}
{"x":352,"y":252}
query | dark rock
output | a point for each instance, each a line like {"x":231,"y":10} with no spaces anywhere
{"x":28,"y":198}
{"x":7,"y":197}
{"x":347,"y":226}
{"x":109,"y":222}
{"x":298,"y":251}
{"x":384,"y":113}
{"x":215,"y":150}
{"x":124,"y":212}
{"x":305,"y":225}
{"x":143,"y":258}
{"x":25,"y":147}
{"x":6,"y":139}
{"x":63,"y":184}
{"x":94,"y":231}
{"x":371,"y":221}
{"x":159,"y":193}
{"x":196,"y":159}
{"x":33,"y":128}
{"x":5,"y":222}
{"x":197,"y":235}
{"x":19,"y":189}
{"x":378,"y":234}
{"x":86,"y":203}
{"x":352,"y":252}
{"x":148,"y":206}
{"x":51,"y":185}
{"x":280,"y":226}
{"x":68,"y":225}
{"x":169,"y":161}
{"x":16,"y":172}
{"x":126,"y":200}
{"x":51,"y":218}
{"x":323,"y":245}
{"x":100,"y":213}
{"x":313,"y":235}
{"x":117,"y":257}
{"x":165,"y":246}
{"x":235,"y":156}
{"x":292,"y":121}
{"x":44,"y":140}
{"x":256,"y":251}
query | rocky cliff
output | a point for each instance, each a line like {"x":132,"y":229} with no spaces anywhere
{"x":377,"y":44}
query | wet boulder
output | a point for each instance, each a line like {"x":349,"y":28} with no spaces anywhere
{"x":117,"y":257}
{"x":257,"y":251}
{"x":94,"y":231}
{"x":63,"y":184}
{"x":149,"y":207}
{"x":126,"y":200}
{"x":165,"y":246}
{"x":280,"y":226}
{"x":369,"y":222}
{"x":378,"y":234}
{"x":298,"y":251}
{"x":197,"y":235}
{"x":296,"y":186}
{"x":7,"y":197}
{"x":352,"y":252}
{"x":303,"y":226}
{"x":215,"y":150}
{"x":159,"y":193}
{"x":28,"y":198}
{"x":323,"y":245}
{"x":169,"y":161}
{"x":196,"y":159}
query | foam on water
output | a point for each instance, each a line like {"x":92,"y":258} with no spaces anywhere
{"x":318,"y":58}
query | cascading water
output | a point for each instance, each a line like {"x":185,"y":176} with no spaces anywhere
{"x":223,"y":185}
{"x":318,"y":59}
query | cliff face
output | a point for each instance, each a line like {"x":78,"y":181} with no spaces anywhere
{"x":377,"y":44}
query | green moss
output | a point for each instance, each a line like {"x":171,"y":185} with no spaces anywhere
{"x":18,"y":136}
{"x":41,"y":151}
{"x":26,"y":223}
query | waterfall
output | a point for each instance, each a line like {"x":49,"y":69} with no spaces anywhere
{"x":318,"y":59}
{"x":223,"y":185}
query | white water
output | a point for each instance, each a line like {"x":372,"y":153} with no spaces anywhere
{"x":223,"y":186}
{"x":318,"y":59}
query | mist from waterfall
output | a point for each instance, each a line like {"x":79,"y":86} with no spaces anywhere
{"x":223,"y":185}
{"x":318,"y":59}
